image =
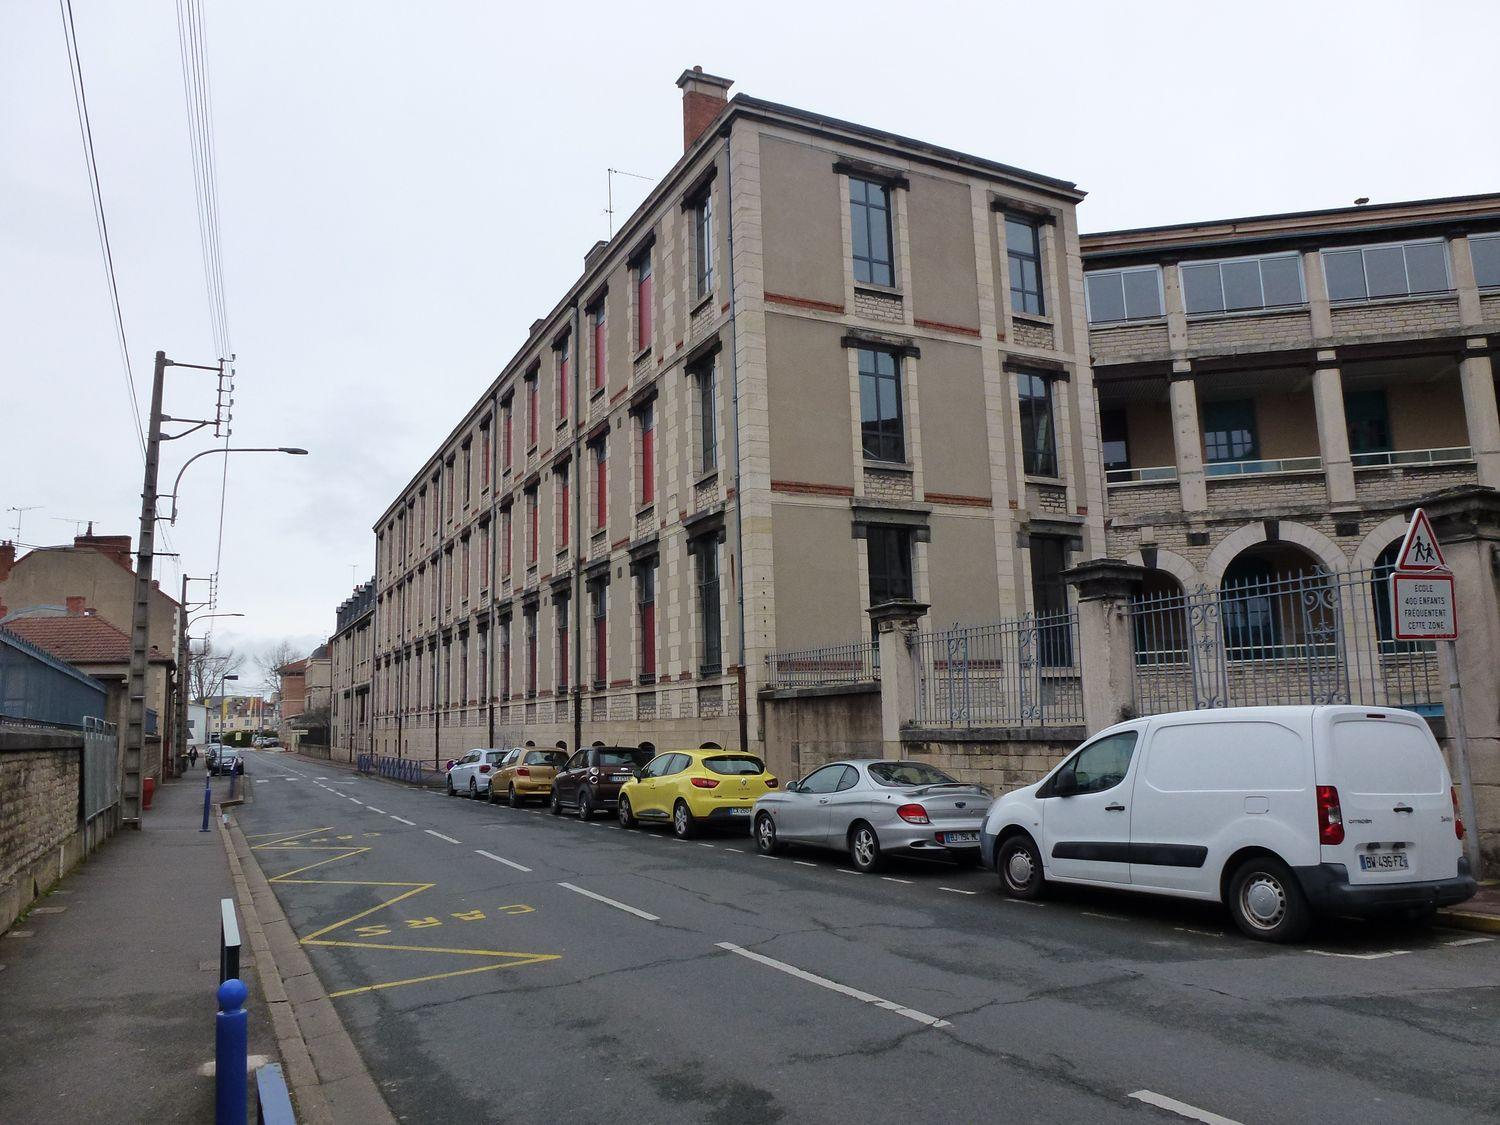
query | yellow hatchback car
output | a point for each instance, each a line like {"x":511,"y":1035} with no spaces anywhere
{"x":694,"y":788}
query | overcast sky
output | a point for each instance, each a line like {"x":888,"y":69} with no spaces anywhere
{"x":404,"y":187}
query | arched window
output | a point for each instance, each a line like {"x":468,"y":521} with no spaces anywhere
{"x":1259,"y":598}
{"x":1380,"y":592}
{"x":1158,"y":617}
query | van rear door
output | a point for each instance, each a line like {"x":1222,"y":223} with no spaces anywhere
{"x":1393,"y":793}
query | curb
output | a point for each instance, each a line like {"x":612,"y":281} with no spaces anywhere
{"x":1469,"y":920}
{"x":350,"y":1096}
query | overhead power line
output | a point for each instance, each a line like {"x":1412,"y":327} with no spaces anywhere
{"x":101,"y":224}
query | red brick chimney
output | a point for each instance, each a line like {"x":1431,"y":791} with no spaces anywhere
{"x":76,"y":605}
{"x":7,"y":559}
{"x":703,"y":96}
{"x":116,"y":547}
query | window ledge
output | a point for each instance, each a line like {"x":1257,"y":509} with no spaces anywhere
{"x":1399,"y":299}
{"x":1039,"y":319}
{"x":708,"y":476}
{"x":644,"y":353}
{"x":1033,"y":478}
{"x":1137,"y":322}
{"x":597,"y":393}
{"x":889,"y":466}
{"x":1244,"y":314}
{"x":878,"y":290}
{"x":705,"y":299}
{"x":645,"y":509}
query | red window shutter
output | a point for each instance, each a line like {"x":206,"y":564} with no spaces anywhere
{"x":601,"y":492}
{"x":599,"y":349}
{"x":601,"y":655}
{"x":648,"y":458}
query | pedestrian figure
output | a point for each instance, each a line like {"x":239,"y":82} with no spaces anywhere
{"x":193,"y":757}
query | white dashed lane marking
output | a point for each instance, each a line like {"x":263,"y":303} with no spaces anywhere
{"x":835,"y":986}
{"x":1182,"y":1109}
{"x":440,"y":836}
{"x":373,"y":809}
{"x":1469,"y":941}
{"x":610,"y":902}
{"x":403,"y":820}
{"x":956,"y":891}
{"x":502,"y":859}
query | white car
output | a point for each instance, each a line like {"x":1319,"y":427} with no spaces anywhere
{"x":471,"y":774}
{"x":1278,"y":812}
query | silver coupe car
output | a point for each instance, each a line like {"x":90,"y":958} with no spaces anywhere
{"x":872,"y":809}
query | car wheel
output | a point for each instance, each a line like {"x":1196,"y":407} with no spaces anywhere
{"x":765,"y":834}
{"x":1266,"y":901}
{"x":489,"y":795}
{"x":473,"y":790}
{"x":585,"y":804}
{"x":682,"y":820}
{"x":627,"y":819}
{"x":452,"y":792}
{"x":556,"y":804}
{"x":511,"y":799}
{"x":864,"y":847}
{"x":1020,"y":868}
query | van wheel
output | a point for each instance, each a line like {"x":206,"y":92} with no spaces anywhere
{"x":1020,"y":867}
{"x":1266,"y":902}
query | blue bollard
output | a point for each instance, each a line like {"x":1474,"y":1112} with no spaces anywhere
{"x":234,"y":776}
{"x":231,"y":1045}
{"x":208,"y":800}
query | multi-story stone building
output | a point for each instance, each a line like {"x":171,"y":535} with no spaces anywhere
{"x":821,"y":366}
{"x":1276,"y":392}
{"x":351,"y":650}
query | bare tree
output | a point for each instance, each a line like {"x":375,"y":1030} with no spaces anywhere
{"x":207,"y":667}
{"x":270,"y":662}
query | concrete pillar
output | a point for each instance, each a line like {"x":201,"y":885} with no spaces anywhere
{"x":1476,"y":377}
{"x":1187,"y":438}
{"x":895,"y":627}
{"x":1106,"y":647}
{"x":1466,"y":521}
{"x":1470,"y":310}
{"x":1333,"y":429}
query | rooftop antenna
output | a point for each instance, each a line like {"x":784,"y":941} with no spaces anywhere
{"x":19,"y":513}
{"x":609,"y":193}
{"x":353,"y":573}
{"x":76,"y":522}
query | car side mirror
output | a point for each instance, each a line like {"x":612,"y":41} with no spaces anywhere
{"x":794,"y":787}
{"x":1065,"y":785}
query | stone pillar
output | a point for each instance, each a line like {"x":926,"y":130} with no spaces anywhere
{"x":1333,"y":429}
{"x":1477,"y":379}
{"x":895,"y":628}
{"x":1106,"y":646}
{"x":1466,"y":521}
{"x":1187,"y":438}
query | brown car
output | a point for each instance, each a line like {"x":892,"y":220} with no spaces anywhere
{"x":590,"y":780}
{"x":525,"y":772}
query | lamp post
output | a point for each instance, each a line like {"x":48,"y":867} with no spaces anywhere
{"x":183,"y":664}
{"x":293,"y":450}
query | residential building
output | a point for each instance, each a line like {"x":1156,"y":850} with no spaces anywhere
{"x":318,"y":682}
{"x":1276,"y":392}
{"x":820,"y":367}
{"x":351,"y":650}
{"x":293,"y":692}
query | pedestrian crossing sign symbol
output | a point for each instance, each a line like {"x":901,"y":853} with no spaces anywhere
{"x":1420,"y":550}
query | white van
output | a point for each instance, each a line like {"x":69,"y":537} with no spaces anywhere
{"x":1278,"y":812}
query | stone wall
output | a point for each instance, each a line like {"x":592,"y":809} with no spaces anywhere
{"x":805,"y":727}
{"x":1219,"y":335}
{"x":1406,"y":316}
{"x":1001,"y":759}
{"x":1128,"y":341}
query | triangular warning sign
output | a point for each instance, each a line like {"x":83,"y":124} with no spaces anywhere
{"x":1420,"y":550}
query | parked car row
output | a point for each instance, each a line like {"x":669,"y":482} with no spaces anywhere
{"x":1280,"y":813}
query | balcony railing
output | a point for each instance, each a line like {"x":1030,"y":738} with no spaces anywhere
{"x":1381,"y":460}
{"x":1155,"y":474}
{"x":1261,"y":467}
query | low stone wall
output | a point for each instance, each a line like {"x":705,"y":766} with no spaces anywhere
{"x":1000,"y":758}
{"x":41,"y":835}
{"x":805,"y":727}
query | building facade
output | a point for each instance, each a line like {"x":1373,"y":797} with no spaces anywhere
{"x":351,"y":651}
{"x":1277,"y":392}
{"x":820,"y":367}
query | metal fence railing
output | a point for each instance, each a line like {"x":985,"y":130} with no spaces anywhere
{"x":1302,"y":638}
{"x":830,"y":666}
{"x":101,"y":767}
{"x":36,"y":686}
{"x":1020,"y":672}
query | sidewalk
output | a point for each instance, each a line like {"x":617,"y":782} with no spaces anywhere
{"x":107,"y":986}
{"x":1482,"y":912}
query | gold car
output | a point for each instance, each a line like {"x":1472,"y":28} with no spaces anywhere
{"x":690,"y":788}
{"x":525,"y":774}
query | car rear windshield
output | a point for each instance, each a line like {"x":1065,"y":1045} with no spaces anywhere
{"x":735,"y":764}
{"x":634,"y":758}
{"x":546,"y":758}
{"x":909,"y":773}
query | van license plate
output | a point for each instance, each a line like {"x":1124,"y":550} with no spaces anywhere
{"x":960,"y":837}
{"x":1383,"y":861}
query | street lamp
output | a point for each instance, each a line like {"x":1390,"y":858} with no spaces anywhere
{"x":177,"y":484}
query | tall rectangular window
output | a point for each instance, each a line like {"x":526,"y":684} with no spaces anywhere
{"x":1369,"y":422}
{"x":645,"y":601}
{"x":447,"y":674}
{"x":464,"y":594}
{"x":508,"y":411}
{"x":484,"y":557}
{"x":1128,"y":294}
{"x":564,"y":374}
{"x":506,"y":532}
{"x":1229,"y":431}
{"x":710,"y":640}
{"x":450,"y":493}
{"x":708,"y":418}
{"x":560,"y":612}
{"x":648,"y":453}
{"x":533,"y":544}
{"x":703,"y":244}
{"x":1038,"y":434}
{"x":881,"y":427}
{"x":468,"y":473}
{"x":564,"y":508}
{"x":1115,"y":438}
{"x":1049,"y":600}
{"x":599,"y":606}
{"x":465,"y":689}
{"x":533,"y":409}
{"x":530,"y":626}
{"x":1485,"y":251}
{"x":643,"y":302}
{"x":601,"y":483}
{"x":888,"y":551}
{"x":870,"y":228}
{"x":483,"y":643}
{"x":600,"y":339}
{"x":1397,"y":269}
{"x":486,"y":453}
{"x":504,"y":684}
{"x":1023,"y":248}
{"x":1237,"y":284}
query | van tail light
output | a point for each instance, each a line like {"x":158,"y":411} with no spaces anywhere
{"x":771,"y":783}
{"x":1330,"y":816}
{"x":523,"y":771}
{"x":913,"y":814}
{"x":1458,"y":823}
{"x":705,"y":783}
{"x":484,"y":768}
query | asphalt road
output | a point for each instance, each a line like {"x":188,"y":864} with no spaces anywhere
{"x":502,"y":965}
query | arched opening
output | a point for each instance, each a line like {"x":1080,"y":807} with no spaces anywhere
{"x":710,"y":746}
{"x":530,"y":744}
{"x":561,"y":745}
{"x":1158,"y":617}
{"x":596,"y":742}
{"x":1261,"y":599}
{"x":648,"y":747}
